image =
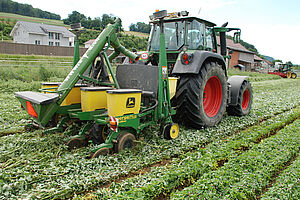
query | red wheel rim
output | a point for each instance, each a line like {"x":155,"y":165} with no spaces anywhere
{"x":245,"y":101}
{"x":212,"y":96}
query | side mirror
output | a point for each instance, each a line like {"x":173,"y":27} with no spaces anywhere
{"x":237,"y":37}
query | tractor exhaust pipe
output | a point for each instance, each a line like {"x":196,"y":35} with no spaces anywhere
{"x":223,"y":44}
{"x":223,"y":41}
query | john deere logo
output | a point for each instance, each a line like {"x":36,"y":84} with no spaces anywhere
{"x":130,"y":102}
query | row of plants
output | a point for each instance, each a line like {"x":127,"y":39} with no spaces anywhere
{"x":64,"y":173}
{"x":19,"y":57}
{"x":34,"y":68}
{"x":287,"y":184}
{"x":29,"y":74}
{"x":194,"y":165}
{"x":245,"y":176}
{"x":253,"y":76}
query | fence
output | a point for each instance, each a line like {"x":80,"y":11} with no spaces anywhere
{"x":28,"y":49}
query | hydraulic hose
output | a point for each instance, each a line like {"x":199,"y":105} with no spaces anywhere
{"x":152,"y":107}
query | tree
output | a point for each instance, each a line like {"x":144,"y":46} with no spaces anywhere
{"x":74,"y":17}
{"x":25,"y":9}
{"x":276,"y":60}
{"x":140,"y":27}
{"x":107,"y":19}
{"x":98,"y":23}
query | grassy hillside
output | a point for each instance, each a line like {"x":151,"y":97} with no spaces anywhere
{"x":15,"y":17}
{"x":138,"y":34}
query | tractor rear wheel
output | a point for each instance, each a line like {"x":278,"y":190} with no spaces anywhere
{"x":294,"y":75}
{"x":244,"y":103}
{"x":201,"y":98}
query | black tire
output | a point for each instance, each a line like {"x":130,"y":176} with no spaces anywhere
{"x":170,"y":131}
{"x":97,"y":134}
{"x":124,"y":141}
{"x":192,"y":109}
{"x":245,"y":100}
{"x":294,"y":75}
{"x":76,"y":143}
{"x":102,"y":151}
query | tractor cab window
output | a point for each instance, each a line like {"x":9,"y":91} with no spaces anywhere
{"x":209,"y":39}
{"x":174,"y":36}
{"x":195,"y":35}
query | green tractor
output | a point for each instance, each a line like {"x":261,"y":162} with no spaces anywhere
{"x":203,"y":92}
{"x":180,"y":79}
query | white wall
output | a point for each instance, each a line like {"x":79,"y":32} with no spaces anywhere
{"x":21,"y":36}
{"x":33,"y":37}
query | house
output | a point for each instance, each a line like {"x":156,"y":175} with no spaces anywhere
{"x":41,"y":34}
{"x":87,"y":44}
{"x":267,"y":65}
{"x":239,"y":54}
{"x":257,"y":62}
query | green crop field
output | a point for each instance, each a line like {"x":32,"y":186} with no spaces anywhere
{"x":250,"y":157}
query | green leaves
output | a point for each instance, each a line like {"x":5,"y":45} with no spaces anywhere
{"x":40,"y":166}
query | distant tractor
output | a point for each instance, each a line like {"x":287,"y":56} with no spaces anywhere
{"x":181,"y":78}
{"x":285,"y":71}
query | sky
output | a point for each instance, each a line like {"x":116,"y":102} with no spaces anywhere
{"x":272,"y":26}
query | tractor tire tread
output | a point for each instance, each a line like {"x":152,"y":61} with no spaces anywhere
{"x":188,"y":97}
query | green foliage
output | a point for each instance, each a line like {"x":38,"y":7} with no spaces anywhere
{"x":244,"y":176}
{"x":253,"y":76}
{"x":128,"y":41}
{"x":74,"y":17}
{"x":249,"y":46}
{"x":32,"y":57}
{"x":277,"y":60}
{"x":33,"y":165}
{"x":5,"y":28}
{"x":131,"y":41}
{"x":9,"y":6}
{"x":33,"y":68}
{"x":88,"y":35}
{"x":98,"y":23}
{"x":140,"y":27}
{"x":287,"y":184}
{"x":194,"y":165}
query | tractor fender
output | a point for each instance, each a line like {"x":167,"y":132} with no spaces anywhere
{"x":199,"y":58}
{"x":235,"y":83}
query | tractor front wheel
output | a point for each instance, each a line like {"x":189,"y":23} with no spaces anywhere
{"x":201,"y":98}
{"x":244,"y":103}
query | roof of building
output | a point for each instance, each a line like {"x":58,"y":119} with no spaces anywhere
{"x":269,"y":62}
{"x":235,"y":46}
{"x":42,"y":29}
{"x":90,"y":41}
{"x":257,"y":58}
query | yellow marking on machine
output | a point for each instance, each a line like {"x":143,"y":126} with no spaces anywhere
{"x":124,"y":119}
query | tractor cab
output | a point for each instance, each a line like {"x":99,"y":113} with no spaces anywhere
{"x":181,"y":33}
